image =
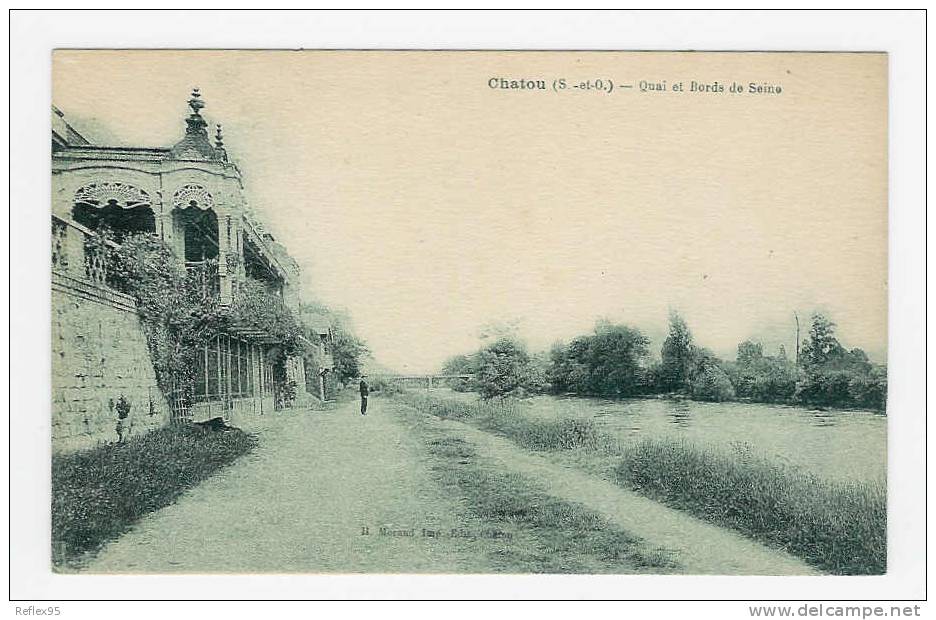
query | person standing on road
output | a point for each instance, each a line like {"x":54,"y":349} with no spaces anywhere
{"x":364,"y":392}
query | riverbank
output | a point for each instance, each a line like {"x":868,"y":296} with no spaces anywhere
{"x":545,"y":533}
{"x":840,"y":528}
{"x":683,"y":397}
{"x":839,"y":446}
{"x":677,"y":396}
{"x":675,"y":541}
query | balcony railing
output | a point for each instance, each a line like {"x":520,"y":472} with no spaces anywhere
{"x":79,"y":252}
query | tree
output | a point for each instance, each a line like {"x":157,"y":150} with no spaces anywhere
{"x":676,"y":354}
{"x":561,"y":369}
{"x":821,"y":345}
{"x":761,"y":377}
{"x":566,"y":368}
{"x":615,"y":359}
{"x":346,"y":348}
{"x":870,"y":390}
{"x":462,"y":364}
{"x":857,"y":361}
{"x":749,"y":353}
{"x":609,"y":362}
{"x":347,"y":351}
{"x":837,"y":377}
{"x":505,"y":368}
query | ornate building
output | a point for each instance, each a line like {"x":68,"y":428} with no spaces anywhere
{"x":192,"y":196}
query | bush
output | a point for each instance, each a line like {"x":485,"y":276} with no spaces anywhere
{"x":98,"y":494}
{"x":608,"y":362}
{"x":461,"y":384}
{"x":760,"y":377}
{"x":388,"y":388}
{"x":505,"y":368}
{"x":825,"y":388}
{"x":712,"y":384}
{"x":774,"y":387}
{"x":838,"y":527}
{"x":869,"y":391}
{"x":462,"y":364}
{"x":561,"y":434}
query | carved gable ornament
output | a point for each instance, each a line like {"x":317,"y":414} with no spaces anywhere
{"x":112,"y":192}
{"x":192,"y":195}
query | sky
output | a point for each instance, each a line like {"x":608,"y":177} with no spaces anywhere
{"x":429,"y":205}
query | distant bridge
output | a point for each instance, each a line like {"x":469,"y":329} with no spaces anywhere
{"x":427,"y":381}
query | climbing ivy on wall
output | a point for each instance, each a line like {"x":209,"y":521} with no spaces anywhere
{"x":180,"y":311}
{"x":258,"y":307}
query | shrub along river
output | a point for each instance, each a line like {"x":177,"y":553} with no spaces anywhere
{"x":836,"y":445}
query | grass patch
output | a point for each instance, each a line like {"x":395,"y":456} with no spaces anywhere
{"x":445,"y":408}
{"x":505,"y":417}
{"x":559,"y":434}
{"x":837,"y":527}
{"x":98,"y":494}
{"x":560,"y":536}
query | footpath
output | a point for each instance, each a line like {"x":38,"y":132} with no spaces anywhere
{"x":300,"y":503}
{"x":316,"y":493}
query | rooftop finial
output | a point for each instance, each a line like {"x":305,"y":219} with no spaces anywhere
{"x":197,"y":143}
{"x":195,"y":123}
{"x":196,"y":102}
{"x":219,"y":139}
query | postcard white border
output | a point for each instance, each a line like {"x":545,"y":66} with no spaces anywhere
{"x":35,"y":34}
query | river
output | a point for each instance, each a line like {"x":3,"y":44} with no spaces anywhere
{"x":835,"y":445}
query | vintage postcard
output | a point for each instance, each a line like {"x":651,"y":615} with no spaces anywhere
{"x":469,"y":312}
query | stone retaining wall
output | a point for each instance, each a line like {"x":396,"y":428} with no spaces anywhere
{"x":99,"y":354}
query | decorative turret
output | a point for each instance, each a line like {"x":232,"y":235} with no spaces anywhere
{"x":219,"y":144}
{"x":196,"y":144}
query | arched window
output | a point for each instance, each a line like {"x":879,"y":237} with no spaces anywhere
{"x":193,"y":210}
{"x":121,"y":207}
{"x":192,"y":195}
{"x":200,"y":230}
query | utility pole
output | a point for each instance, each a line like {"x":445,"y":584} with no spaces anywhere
{"x":796,"y":316}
